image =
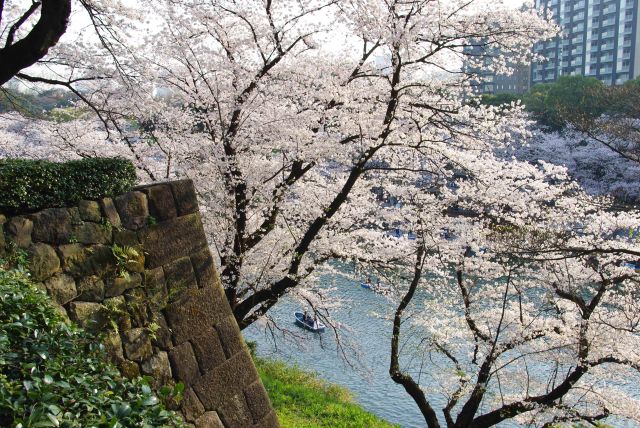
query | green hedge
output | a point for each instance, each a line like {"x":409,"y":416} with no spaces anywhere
{"x":30,"y":185}
{"x":52,"y":374}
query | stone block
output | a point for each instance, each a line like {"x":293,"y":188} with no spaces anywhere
{"x":133,"y":209}
{"x":204,"y":268}
{"x":187,"y":316}
{"x":209,"y":420}
{"x":163,"y":335}
{"x":191,"y":406}
{"x":136,"y":343}
{"x":90,"y":211}
{"x":229,"y":379}
{"x":113,"y":347}
{"x":269,"y":421}
{"x":3,"y":243}
{"x":157,"y":295}
{"x":43,"y":261}
{"x":61,"y":311}
{"x":230,"y":336}
{"x":183,"y":364}
{"x":61,"y":288}
{"x":91,"y":233}
{"x":179,"y":277}
{"x":158,"y":367}
{"x":129,"y":369}
{"x":88,"y":315}
{"x":118,"y":285}
{"x":135,"y":263}
{"x":185,"y":196}
{"x":74,"y":212}
{"x":52,"y":226}
{"x":137,"y":307}
{"x":71,"y":254}
{"x":257,"y":400}
{"x":125,"y":238}
{"x":110,"y":212}
{"x":208,"y":349}
{"x":19,"y":231}
{"x":79,"y":261}
{"x":166,"y":241}
{"x":161,"y":204}
{"x":235,"y":412}
{"x":90,"y":289}
{"x":116,"y":309}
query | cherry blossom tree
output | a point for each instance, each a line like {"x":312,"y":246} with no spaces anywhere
{"x":287,"y":115}
{"x":526,"y":309}
{"x":598,"y":169}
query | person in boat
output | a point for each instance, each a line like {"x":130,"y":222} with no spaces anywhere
{"x":305,"y":317}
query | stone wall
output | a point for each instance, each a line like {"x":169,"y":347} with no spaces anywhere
{"x":137,"y":268}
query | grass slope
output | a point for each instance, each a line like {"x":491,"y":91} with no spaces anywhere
{"x":302,"y":400}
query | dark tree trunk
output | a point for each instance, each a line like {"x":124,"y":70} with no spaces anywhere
{"x":397,"y":375}
{"x":54,"y":16}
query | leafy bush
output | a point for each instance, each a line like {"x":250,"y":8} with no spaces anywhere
{"x":28,"y":185}
{"x":498,"y":99}
{"x":553,"y":103}
{"x":53,"y":374}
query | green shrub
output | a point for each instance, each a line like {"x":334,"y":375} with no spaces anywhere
{"x":553,"y":104}
{"x":29,"y":185}
{"x":53,"y":374}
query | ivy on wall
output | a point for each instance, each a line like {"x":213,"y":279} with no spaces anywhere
{"x":54,"y":374}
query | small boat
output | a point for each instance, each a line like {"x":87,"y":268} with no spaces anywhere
{"x":632,"y":265}
{"x":365,"y":285}
{"x":309,"y":324}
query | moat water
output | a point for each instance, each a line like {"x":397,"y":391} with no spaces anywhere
{"x":362,"y":365}
{"x":367,"y":341}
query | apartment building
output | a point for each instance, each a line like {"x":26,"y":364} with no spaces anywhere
{"x":489,"y":82}
{"x":599,"y":39}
